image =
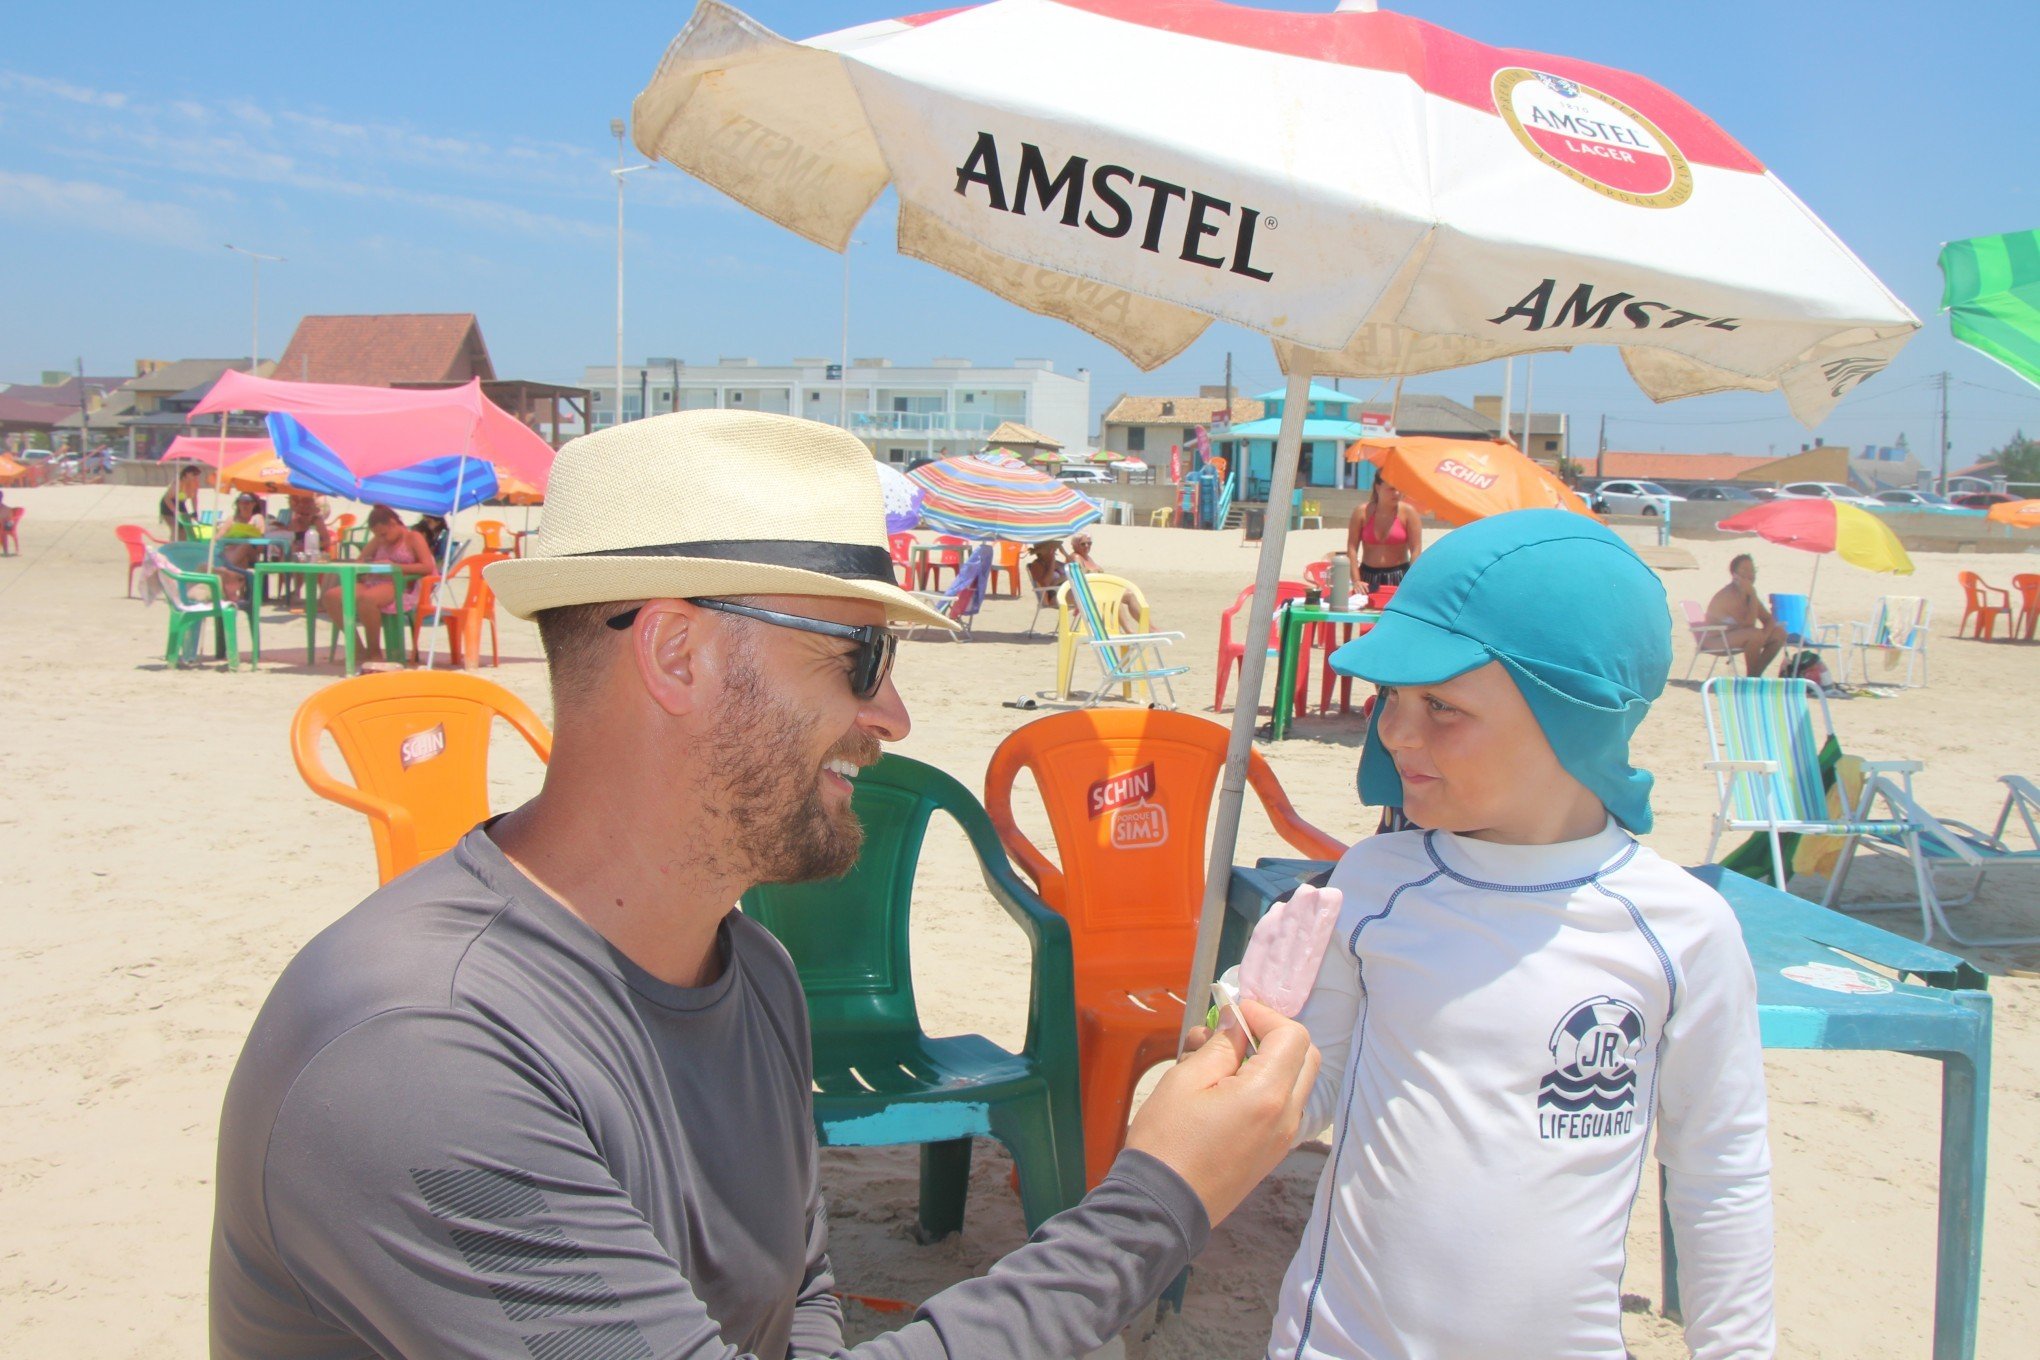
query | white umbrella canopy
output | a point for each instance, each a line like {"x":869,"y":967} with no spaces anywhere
{"x":1390,"y":196}
{"x":1379,"y":196}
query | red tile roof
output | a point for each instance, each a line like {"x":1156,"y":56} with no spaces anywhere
{"x":1677,"y":467}
{"x":378,"y":351}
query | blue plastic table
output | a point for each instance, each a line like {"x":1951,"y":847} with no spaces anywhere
{"x":1942,"y":1013}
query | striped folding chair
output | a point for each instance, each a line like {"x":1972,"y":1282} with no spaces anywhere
{"x":1125,"y":658}
{"x":1766,"y":766}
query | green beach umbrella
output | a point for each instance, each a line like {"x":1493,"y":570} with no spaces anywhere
{"x":1991,"y":293}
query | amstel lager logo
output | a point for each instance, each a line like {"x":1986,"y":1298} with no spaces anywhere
{"x":1593,"y":138}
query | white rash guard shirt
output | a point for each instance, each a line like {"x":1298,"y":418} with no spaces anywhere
{"x":1503,"y":1029}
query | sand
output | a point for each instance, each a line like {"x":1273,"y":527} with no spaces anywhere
{"x":163,"y":860}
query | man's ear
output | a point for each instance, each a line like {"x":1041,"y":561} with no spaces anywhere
{"x":665,"y":644}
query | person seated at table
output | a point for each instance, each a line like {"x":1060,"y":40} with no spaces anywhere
{"x":179,"y":507}
{"x":236,"y":557}
{"x":389,"y":540}
{"x":308,"y":523}
{"x":434,"y":529}
{"x":1740,"y":611}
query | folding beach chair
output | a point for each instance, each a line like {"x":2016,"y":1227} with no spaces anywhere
{"x":1897,"y":629}
{"x":965,"y":596}
{"x":1709,"y":640}
{"x":1124,"y":658}
{"x":1766,"y":765}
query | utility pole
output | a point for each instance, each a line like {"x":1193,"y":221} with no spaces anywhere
{"x":843,"y":354}
{"x":1508,"y":388}
{"x":1942,"y":486}
{"x":1529,"y":400}
{"x":255,"y":326}
{"x":1239,"y":477}
{"x":1601,"y":451}
{"x":84,"y":417}
{"x":616,"y":131}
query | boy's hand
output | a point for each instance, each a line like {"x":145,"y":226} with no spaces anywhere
{"x":1222,"y":1126}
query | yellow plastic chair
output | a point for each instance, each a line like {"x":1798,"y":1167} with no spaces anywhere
{"x":417,"y":746}
{"x":1161,"y":518}
{"x":1107,"y":591}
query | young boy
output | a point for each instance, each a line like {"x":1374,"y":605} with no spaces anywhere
{"x":1518,"y":995}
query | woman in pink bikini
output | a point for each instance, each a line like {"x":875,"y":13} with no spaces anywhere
{"x":403,"y":548}
{"x":1383,"y":538}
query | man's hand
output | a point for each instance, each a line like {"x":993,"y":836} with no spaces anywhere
{"x":1223,"y":1126}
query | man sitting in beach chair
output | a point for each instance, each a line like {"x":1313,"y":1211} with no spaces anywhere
{"x":1741,"y":613}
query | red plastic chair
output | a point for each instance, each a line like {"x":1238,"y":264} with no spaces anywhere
{"x":902,"y":545}
{"x":1976,"y":606}
{"x":10,"y":536}
{"x":933,"y":563}
{"x":136,"y":540}
{"x":1128,"y":794}
{"x":2028,"y":586}
{"x":1232,"y":655}
{"x":463,"y":621}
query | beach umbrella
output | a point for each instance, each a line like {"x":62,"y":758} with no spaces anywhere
{"x":1462,"y":480}
{"x":902,"y":499}
{"x":1379,"y":196}
{"x":433,"y":486}
{"x":514,"y":490}
{"x":1991,"y":292}
{"x":12,"y":471}
{"x":1130,"y":465}
{"x":216,"y":453}
{"x":1821,"y":527}
{"x":995,"y":495}
{"x":264,"y":473}
{"x":2018,"y":514}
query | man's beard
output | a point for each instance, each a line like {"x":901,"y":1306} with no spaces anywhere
{"x":769,"y":791}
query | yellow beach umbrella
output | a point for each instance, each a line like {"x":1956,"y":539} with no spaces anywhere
{"x":262,"y":473}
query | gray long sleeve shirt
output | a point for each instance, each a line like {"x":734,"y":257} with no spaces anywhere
{"x":465,"y":1125}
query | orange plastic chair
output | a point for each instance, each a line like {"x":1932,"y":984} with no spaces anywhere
{"x":1976,"y":606}
{"x":2028,"y":586}
{"x":1232,"y":655}
{"x":1128,"y":794}
{"x":10,"y":535}
{"x":464,"y":620}
{"x":1006,"y":562}
{"x":493,"y":532}
{"x":136,"y":540}
{"x":902,"y":545}
{"x":417,"y":745}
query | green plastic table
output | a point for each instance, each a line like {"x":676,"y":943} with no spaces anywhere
{"x":1295,"y":618}
{"x":1937,"y":1009}
{"x":349,"y":573}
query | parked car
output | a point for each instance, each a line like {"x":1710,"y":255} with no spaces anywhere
{"x":1722,"y":493}
{"x":1632,"y":498}
{"x":1826,"y":491}
{"x":1914,"y":500}
{"x":1085,"y":476}
{"x":1984,"y":500}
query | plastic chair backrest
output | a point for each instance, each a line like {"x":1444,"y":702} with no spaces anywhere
{"x":1899,"y":621}
{"x":417,"y":746}
{"x":1106,"y":593}
{"x":1972,"y":589}
{"x":343,"y":524}
{"x":1284,"y":590}
{"x":1766,"y":719}
{"x":492,"y":532}
{"x":133,"y":537}
{"x":1128,"y":795}
{"x":901,"y":545}
{"x":1706,"y":636}
{"x":848,"y":936}
{"x":1318,"y":574}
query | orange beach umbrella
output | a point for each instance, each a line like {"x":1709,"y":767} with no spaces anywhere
{"x":1462,"y":480}
{"x":2018,"y":514}
{"x":262,"y":473}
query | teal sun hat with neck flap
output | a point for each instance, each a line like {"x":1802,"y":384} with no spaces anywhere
{"x":1577,"y":618}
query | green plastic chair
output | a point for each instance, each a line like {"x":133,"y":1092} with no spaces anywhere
{"x":195,"y":596}
{"x":882,"y":1082}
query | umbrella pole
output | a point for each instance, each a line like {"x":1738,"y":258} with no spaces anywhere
{"x":1247,"y":708}
{"x":212,"y":545}
{"x":445,"y":566}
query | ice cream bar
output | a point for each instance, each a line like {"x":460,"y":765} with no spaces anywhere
{"x":1282,"y":958}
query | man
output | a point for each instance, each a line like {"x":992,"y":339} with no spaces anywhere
{"x":547,"y":1094}
{"x":1739,"y":608}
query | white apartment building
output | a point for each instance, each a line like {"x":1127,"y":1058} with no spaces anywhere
{"x":944,"y":407}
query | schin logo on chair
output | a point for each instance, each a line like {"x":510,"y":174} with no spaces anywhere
{"x":420,"y":747}
{"x":1137,"y":824}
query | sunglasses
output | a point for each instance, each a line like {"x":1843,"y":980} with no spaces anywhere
{"x":872,"y":661}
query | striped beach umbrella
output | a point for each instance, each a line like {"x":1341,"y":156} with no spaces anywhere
{"x":1991,"y":293}
{"x":995,"y":495}
{"x":436,"y":486}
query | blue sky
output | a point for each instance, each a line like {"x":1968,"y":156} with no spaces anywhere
{"x":448,"y":158}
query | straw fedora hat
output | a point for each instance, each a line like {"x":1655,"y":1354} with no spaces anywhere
{"x":710,"y":503}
